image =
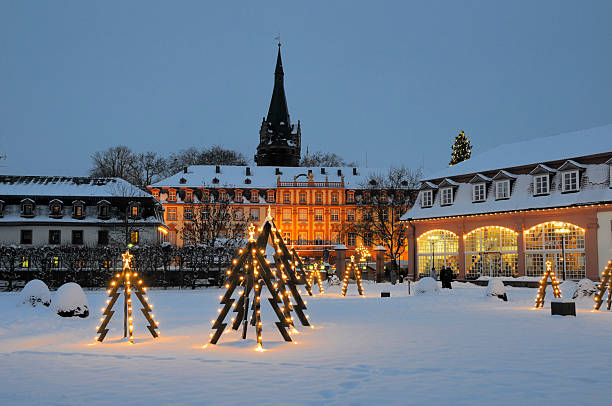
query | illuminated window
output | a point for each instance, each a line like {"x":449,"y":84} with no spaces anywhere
{"x":205,"y":196}
{"x":171,"y":213}
{"x":55,"y":208}
{"x":172,"y":195}
{"x":318,"y":215}
{"x":303,"y":215}
{"x":155,"y":193}
{"x":426,"y":198}
{"x":286,"y":197}
{"x":437,"y":249}
{"x":334,"y":197}
{"x":491,"y":251}
{"x":303,"y":197}
{"x":254,"y":196}
{"x":287,"y":237}
{"x":134,"y":237}
{"x":350,"y":215}
{"x":238,"y":196}
{"x":350,"y":197}
{"x":547,"y":242}
{"x":502,"y":189}
{"x":335,"y":215}
{"x":569,"y":181}
{"x":255,"y":214}
{"x":134,"y":210}
{"x":540,"y":185}
{"x":270,"y":196}
{"x":478,"y":192}
{"x":318,"y":198}
{"x":189,"y":196}
{"x":287,"y":214}
{"x":446,"y":196}
{"x":335,"y":237}
{"x":318,"y":238}
{"x":351,"y":239}
{"x":367,"y":239}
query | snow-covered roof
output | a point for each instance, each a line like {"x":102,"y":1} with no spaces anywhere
{"x":544,"y":149}
{"x":596,"y":189}
{"x":264,"y":176}
{"x":11,"y":185}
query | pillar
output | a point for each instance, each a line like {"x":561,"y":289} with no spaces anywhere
{"x":591,"y":251}
{"x":520,"y":248}
{"x":380,"y":263}
{"x":340,"y":260}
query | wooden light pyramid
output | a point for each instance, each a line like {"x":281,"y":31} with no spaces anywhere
{"x":315,"y":273}
{"x":544,"y":282}
{"x":352,"y":266}
{"x":606,"y":284}
{"x":127,"y":280}
{"x":251,"y":270}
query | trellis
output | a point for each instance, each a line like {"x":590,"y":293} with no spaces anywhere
{"x":544,"y":283}
{"x":606,"y":284}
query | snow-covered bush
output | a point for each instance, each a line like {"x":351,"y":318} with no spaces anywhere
{"x":426,"y":285}
{"x":496,"y":288}
{"x":568,"y":288}
{"x":585,"y":288}
{"x":36,"y":292}
{"x":70,"y":301}
{"x":334,"y":280}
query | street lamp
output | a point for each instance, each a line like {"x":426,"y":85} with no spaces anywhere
{"x":563,"y":231}
{"x":432,"y":240}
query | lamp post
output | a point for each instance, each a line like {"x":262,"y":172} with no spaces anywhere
{"x":563,"y":231}
{"x":432,"y":240}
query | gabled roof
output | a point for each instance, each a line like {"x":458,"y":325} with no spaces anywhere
{"x":504,"y":175}
{"x":67,"y":186}
{"x":448,"y":182}
{"x":542,"y":169}
{"x":428,"y":185}
{"x":479,"y":178}
{"x":569,"y":165}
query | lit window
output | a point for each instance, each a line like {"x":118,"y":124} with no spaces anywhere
{"x":350,"y":215}
{"x":540,"y":184}
{"x":303,"y":197}
{"x":478,"y":192}
{"x":56,"y":208}
{"x":318,"y":238}
{"x":270,"y":196}
{"x":303,"y":215}
{"x":351,"y":239}
{"x":238,"y":196}
{"x":286,"y":197}
{"x":287,"y":237}
{"x":171,"y":213}
{"x":255,"y":214}
{"x":335,"y":215}
{"x":188,"y":195}
{"x":318,"y":215}
{"x":155,"y":193}
{"x":172,"y":195}
{"x":134,"y":210}
{"x":205,"y":196}
{"x":134,"y":237}
{"x":318,"y":198}
{"x":287,"y":214}
{"x":502,"y":189}
{"x":334,"y":197}
{"x":569,"y":180}
{"x":254,"y":196}
{"x":426,"y":198}
{"x":446,"y":196}
{"x":350,"y":197}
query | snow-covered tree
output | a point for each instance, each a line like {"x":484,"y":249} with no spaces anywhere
{"x":462,"y":149}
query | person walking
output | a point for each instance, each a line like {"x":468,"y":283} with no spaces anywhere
{"x":446,"y":276}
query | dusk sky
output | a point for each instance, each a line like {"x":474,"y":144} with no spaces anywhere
{"x":395,"y":80}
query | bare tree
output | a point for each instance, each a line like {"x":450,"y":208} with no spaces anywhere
{"x":115,"y":162}
{"x":215,"y":155}
{"x":150,"y":168}
{"x":321,"y":158}
{"x":385,"y":198}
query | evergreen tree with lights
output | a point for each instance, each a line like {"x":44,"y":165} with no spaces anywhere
{"x":462,"y":149}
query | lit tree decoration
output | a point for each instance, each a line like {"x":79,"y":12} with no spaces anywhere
{"x":130,"y":284}
{"x":251,"y":271}
{"x":315,"y":273}
{"x":462,"y":149}
{"x":544,"y":282}
{"x":606,"y":284}
{"x":352,"y":266}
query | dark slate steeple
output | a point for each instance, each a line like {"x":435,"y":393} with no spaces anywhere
{"x":279,"y":145}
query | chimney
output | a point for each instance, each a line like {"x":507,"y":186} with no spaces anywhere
{"x":354,"y":171}
{"x":322,"y":171}
{"x":248,"y":171}
{"x":217,"y":169}
{"x":277,"y":171}
{"x":185,"y":169}
{"x":309,"y":172}
{"x":339,"y":172}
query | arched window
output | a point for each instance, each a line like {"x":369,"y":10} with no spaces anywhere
{"x":435,"y":249}
{"x":547,"y":242}
{"x":491,"y":251}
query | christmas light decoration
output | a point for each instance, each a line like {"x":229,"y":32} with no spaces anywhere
{"x":251,"y":270}
{"x":606,"y":284}
{"x":462,"y":149}
{"x":131,"y":284}
{"x":352,"y":266}
{"x":314,"y":272}
{"x":544,"y":282}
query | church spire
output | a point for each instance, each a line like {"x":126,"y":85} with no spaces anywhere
{"x":278,"y":113}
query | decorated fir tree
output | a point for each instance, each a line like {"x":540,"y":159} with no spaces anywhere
{"x":462,"y":149}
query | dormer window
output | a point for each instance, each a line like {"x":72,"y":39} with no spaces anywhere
{"x":446,"y":196}
{"x":134,"y":210}
{"x":27,"y":208}
{"x":104,"y":210}
{"x":56,"y":208}
{"x":222,"y":195}
{"x":350,"y":196}
{"x":238,"y":196}
{"x":541,"y":185}
{"x":78,"y":209}
{"x":334,"y":197}
{"x":479,"y":192}
{"x":155,"y":193}
{"x":189,"y":196}
{"x":502,"y":189}
{"x":1,"y":208}
{"x":569,"y":181}
{"x":205,"y":196}
{"x":254,"y":196}
{"x":270,"y":196}
{"x":427,"y":198}
{"x":172,"y":195}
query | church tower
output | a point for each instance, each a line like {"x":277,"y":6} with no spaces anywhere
{"x":280,"y":143}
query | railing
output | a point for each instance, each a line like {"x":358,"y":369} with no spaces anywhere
{"x":311,"y":242}
{"x":311,"y":184}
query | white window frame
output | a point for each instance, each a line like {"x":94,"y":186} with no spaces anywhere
{"x":502,"y":185}
{"x":543,"y":191}
{"x":479,"y":192}
{"x":446,"y":196}
{"x":564,"y":176}
{"x":427,"y":198}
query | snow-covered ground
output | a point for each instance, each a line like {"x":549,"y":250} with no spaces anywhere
{"x":455,"y":348}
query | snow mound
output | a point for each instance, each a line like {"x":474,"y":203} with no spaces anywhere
{"x":585,"y":288}
{"x":36,"y":292}
{"x":568,"y":288}
{"x":496,"y":288}
{"x":334,"y":280}
{"x":426,"y":285}
{"x":70,"y":301}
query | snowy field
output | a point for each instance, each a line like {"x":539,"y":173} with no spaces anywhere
{"x":452,"y":348}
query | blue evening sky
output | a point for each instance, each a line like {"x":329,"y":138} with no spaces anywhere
{"x":395,"y":80}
